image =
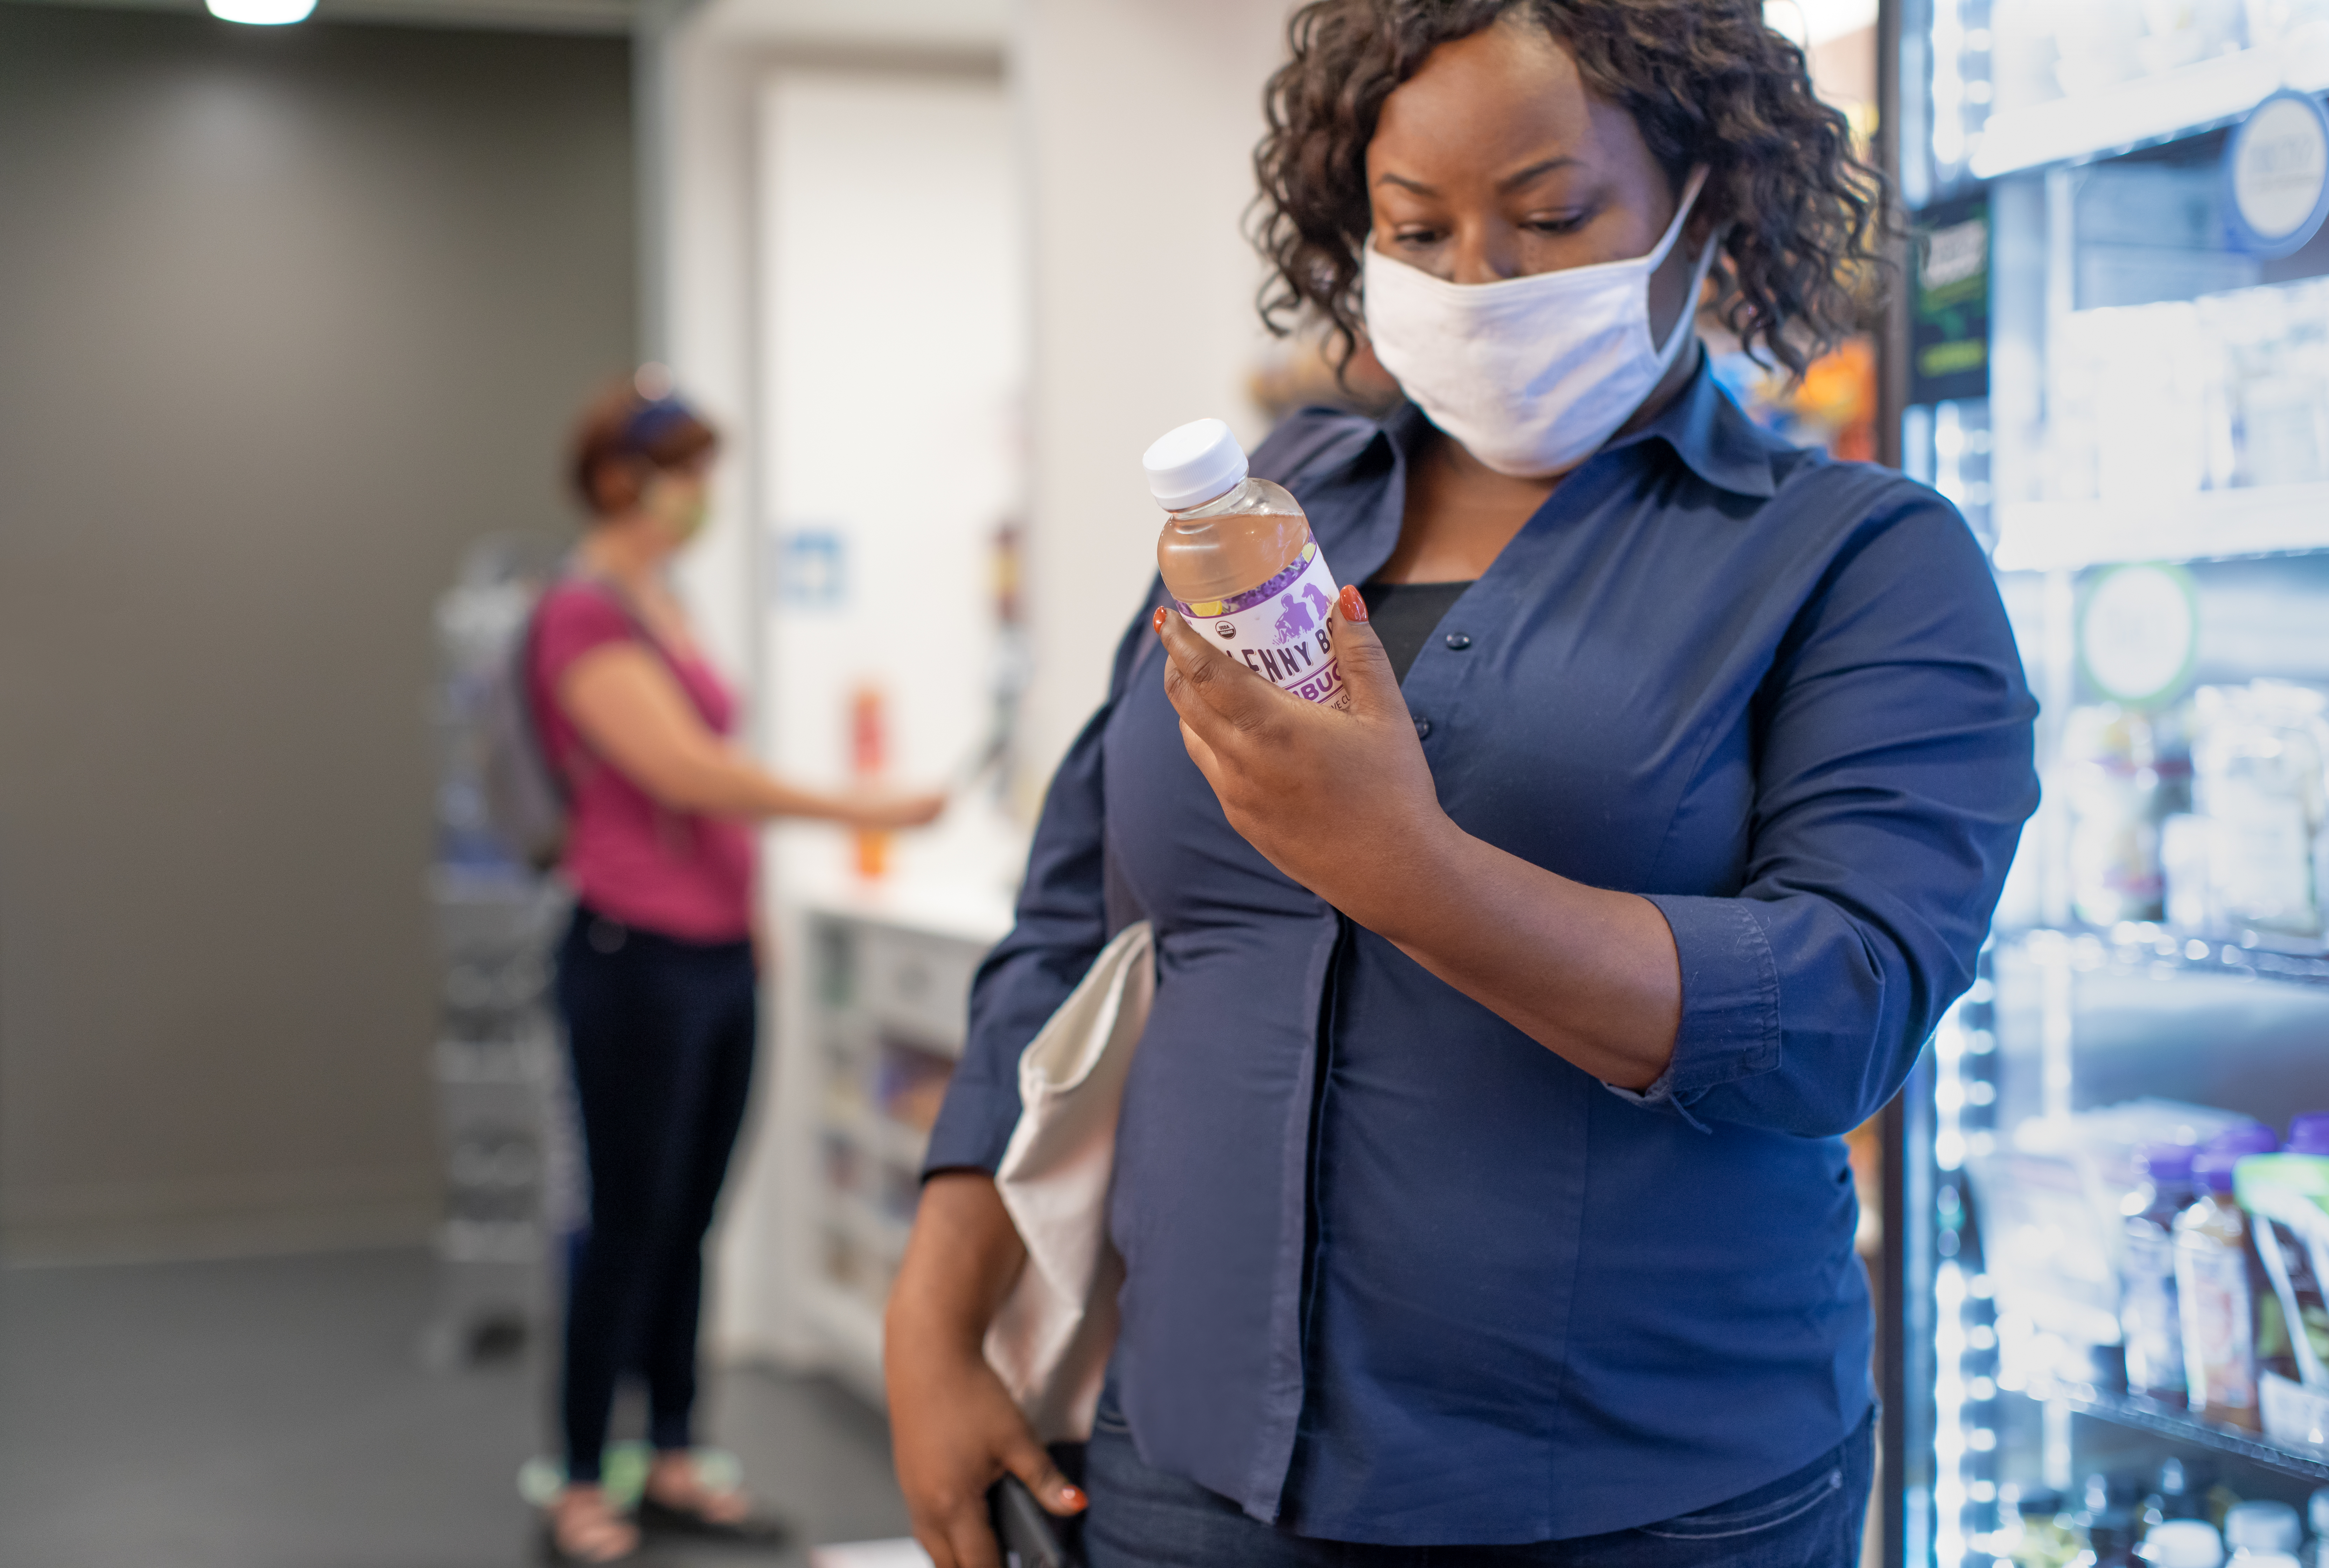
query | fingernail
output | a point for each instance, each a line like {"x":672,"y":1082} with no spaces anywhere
{"x":1157,"y":621}
{"x":1071,"y":1498}
{"x":1354,"y":604}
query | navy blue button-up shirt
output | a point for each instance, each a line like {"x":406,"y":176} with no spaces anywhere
{"x":1396,"y":1273}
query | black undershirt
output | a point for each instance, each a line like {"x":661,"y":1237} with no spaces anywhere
{"x":1405,"y":615}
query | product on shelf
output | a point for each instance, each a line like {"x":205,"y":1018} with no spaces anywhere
{"x":2254,"y":1528}
{"x":2213,"y":1285}
{"x":2126,"y":771}
{"x":2184,"y":1544}
{"x":911,"y":1084}
{"x":2180,"y":1491}
{"x":2287,"y":1196}
{"x":1238,"y":558}
{"x":2147,"y":1310}
{"x":2272,"y":405}
{"x":2226,"y":390}
{"x":2258,"y":754}
{"x":2052,"y":1212}
{"x":2111,"y":1522}
{"x":2046,"y":1536}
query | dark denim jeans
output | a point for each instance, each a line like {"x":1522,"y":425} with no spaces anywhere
{"x":1142,"y":1517}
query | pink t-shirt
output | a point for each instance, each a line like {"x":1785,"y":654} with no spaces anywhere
{"x":674,"y":873}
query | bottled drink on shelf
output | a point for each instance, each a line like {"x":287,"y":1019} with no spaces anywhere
{"x":2111,"y":1522}
{"x":2184,"y":1544}
{"x":2180,"y":1489}
{"x":2259,"y":1532}
{"x":2149,"y":1315}
{"x":2047,"y":1537}
{"x":2213,"y":1285}
{"x":1238,"y":558}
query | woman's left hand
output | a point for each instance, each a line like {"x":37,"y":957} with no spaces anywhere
{"x":1343,"y":802}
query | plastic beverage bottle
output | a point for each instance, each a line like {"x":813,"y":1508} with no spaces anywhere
{"x":2147,"y":1313}
{"x":2180,"y":1490}
{"x":2111,"y":1522}
{"x":2316,"y":1513}
{"x":2212,"y":1291}
{"x":1238,"y":559}
{"x":2046,"y":1538}
{"x":2184,"y":1544}
{"x":2258,"y":1532}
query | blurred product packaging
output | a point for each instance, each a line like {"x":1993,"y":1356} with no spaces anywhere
{"x":2229,"y":390}
{"x":2126,"y":771}
{"x":2052,"y":1210}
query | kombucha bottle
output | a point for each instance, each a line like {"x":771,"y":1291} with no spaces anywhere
{"x":1238,"y":560}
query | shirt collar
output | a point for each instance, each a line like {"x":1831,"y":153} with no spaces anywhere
{"x":1702,"y":426}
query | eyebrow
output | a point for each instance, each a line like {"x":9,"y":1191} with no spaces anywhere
{"x":1509,"y":183}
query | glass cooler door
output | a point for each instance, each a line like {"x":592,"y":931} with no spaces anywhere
{"x":2116,"y":359}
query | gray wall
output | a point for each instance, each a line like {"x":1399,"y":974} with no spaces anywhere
{"x":286,"y":316}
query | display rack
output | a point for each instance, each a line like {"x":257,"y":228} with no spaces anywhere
{"x":2159,"y":951}
{"x":2141,"y":1414}
{"x":886,"y":1000}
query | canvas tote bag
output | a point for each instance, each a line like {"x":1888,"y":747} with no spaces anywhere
{"x":1049,"y":1343}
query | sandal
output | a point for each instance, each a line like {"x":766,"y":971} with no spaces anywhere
{"x":610,"y":1547}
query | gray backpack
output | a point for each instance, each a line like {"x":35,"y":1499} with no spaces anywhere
{"x":526,"y":798}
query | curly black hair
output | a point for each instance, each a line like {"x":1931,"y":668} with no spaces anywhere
{"x":1706,"y":81}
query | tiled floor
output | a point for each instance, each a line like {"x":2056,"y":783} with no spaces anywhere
{"x":273,"y":1414}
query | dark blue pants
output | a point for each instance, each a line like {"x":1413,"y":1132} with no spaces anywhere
{"x":661,"y":1031}
{"x":1141,"y":1517}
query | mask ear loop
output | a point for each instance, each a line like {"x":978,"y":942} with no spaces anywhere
{"x":1680,"y":333}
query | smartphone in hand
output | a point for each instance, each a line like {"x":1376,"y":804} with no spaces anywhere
{"x":1028,"y":1535}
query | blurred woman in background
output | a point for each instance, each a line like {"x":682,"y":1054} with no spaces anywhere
{"x":656,"y":977}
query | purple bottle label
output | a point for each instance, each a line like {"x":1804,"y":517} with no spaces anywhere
{"x":1281,"y":631}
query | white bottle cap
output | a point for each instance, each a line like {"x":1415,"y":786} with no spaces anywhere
{"x":2182,"y":1544}
{"x":1193,"y":464}
{"x":2262,"y":1526}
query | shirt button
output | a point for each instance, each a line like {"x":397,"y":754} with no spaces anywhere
{"x":1422,"y":729}
{"x":1459,"y":641}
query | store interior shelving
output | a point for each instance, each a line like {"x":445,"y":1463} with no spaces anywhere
{"x":2187,"y":100}
{"x":2149,"y":1415}
{"x":2207,"y":524}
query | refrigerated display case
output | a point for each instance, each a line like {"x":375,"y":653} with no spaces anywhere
{"x":2113,"y":354}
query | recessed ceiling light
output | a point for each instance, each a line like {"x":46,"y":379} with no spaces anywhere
{"x":261,"y":13}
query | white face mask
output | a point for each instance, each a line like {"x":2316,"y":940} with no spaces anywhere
{"x":1531,"y":374}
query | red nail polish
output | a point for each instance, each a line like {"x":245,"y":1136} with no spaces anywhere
{"x":1354,"y":604}
{"x":1157,"y":621}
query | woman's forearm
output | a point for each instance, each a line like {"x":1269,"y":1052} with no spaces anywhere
{"x":961,"y":1260}
{"x":1590,"y":974}
{"x":724,"y":782}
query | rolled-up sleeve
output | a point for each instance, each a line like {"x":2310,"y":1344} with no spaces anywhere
{"x":1060,"y":926}
{"x":1894,"y":739}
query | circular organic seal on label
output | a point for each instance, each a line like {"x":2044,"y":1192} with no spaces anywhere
{"x":2276,"y":166}
{"x":1228,"y":630}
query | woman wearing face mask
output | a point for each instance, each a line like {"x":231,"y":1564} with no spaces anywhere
{"x":1479,"y":1179}
{"x":657,"y":978}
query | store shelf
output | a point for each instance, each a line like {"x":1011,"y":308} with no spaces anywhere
{"x":2185,"y":101}
{"x":2065,"y":536}
{"x":2133,"y":1410}
{"x":2146,"y":948}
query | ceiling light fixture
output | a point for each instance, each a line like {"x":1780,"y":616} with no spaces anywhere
{"x":261,"y":13}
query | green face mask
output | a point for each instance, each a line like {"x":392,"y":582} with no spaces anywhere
{"x":679,"y":505}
